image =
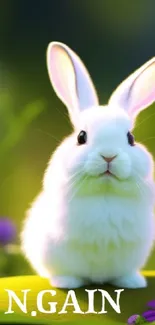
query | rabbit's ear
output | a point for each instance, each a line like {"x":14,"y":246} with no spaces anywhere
{"x":70,"y":79}
{"x":138,"y":91}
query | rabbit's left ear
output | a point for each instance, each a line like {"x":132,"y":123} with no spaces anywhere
{"x":138,"y":91}
{"x":70,"y":79}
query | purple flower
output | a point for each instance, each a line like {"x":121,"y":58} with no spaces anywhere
{"x":151,"y":304}
{"x":149,"y":315}
{"x":7,"y":231}
{"x":133,"y":319}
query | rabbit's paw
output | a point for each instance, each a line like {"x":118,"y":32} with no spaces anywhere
{"x":130,"y":281}
{"x":66,"y":282}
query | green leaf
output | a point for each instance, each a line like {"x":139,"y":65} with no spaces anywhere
{"x":19,"y":125}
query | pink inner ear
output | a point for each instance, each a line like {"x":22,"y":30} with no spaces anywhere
{"x":62,"y":75}
{"x":142,"y":92}
{"x":137,"y":91}
{"x":70,"y":78}
{"x":142,"y":104}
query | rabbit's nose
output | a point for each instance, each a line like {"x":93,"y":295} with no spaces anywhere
{"x":108,"y":159}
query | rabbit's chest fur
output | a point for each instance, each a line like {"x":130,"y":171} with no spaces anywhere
{"x":107,"y":220}
{"x":96,"y":236}
{"x":102,"y":235}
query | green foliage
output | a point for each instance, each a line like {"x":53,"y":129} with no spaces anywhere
{"x":14,"y":126}
{"x":140,"y":320}
{"x":12,"y":262}
{"x":14,"y":122}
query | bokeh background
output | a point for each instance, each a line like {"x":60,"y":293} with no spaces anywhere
{"x":113,"y":38}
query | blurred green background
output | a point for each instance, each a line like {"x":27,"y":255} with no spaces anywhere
{"x":113,"y":38}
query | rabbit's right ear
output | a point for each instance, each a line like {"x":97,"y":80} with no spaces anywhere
{"x":70,"y":79}
{"x":136,"y":92}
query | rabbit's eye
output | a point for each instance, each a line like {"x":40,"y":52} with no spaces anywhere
{"x":82,"y":137}
{"x":131,"y":139}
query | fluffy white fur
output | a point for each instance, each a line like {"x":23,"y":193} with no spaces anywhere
{"x":85,"y":226}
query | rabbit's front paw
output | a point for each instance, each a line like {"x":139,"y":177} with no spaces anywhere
{"x":130,"y":281}
{"x":66,"y":282}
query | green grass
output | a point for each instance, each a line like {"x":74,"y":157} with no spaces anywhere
{"x":131,"y":301}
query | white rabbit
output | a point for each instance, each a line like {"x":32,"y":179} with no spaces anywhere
{"x":93,"y":220}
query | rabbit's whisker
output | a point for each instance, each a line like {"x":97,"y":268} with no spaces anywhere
{"x":50,"y":135}
{"x":78,"y":187}
{"x":141,"y":179}
{"x":150,"y":138}
{"x":73,"y":179}
{"x":63,"y":114}
{"x":79,"y":172}
{"x":145,"y":119}
{"x":139,"y":183}
{"x":139,"y":189}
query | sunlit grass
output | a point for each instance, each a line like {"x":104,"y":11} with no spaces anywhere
{"x":36,"y":284}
